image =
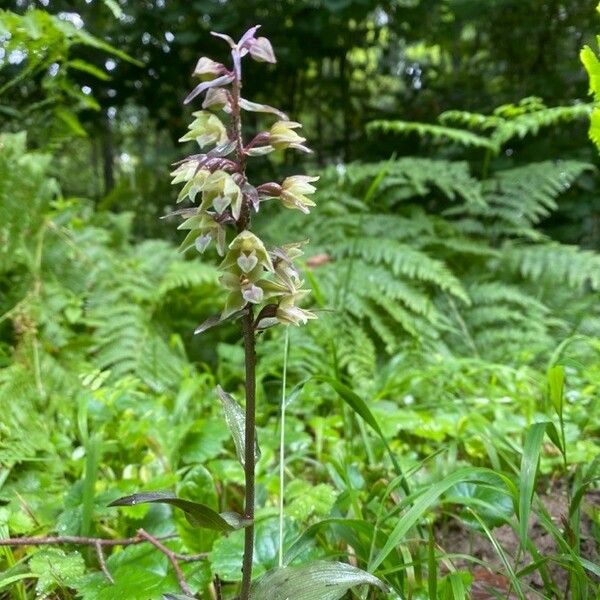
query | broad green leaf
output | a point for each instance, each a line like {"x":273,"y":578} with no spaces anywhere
{"x":305,"y":499}
{"x":492,"y":503}
{"x":198,"y":486}
{"x":322,"y":579}
{"x":55,"y":568}
{"x":198,"y":514}
{"x":236,"y":421}
{"x":141,"y":573}
{"x":226,"y":555}
{"x":204,"y":441}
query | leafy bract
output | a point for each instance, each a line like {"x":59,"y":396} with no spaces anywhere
{"x":197,"y":514}
{"x":322,"y":579}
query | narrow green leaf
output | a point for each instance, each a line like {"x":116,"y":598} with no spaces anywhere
{"x":197,"y":514}
{"x":236,"y":421}
{"x":421,"y":505}
{"x":93,"y":456}
{"x":556,"y":386}
{"x":527,"y":476}
{"x":5,"y":582}
{"x":502,"y":555}
{"x":70,"y":119}
{"x":457,"y":585}
{"x":90,"y":69}
{"x":431,"y":566}
{"x":322,"y":579}
{"x":360,"y":407}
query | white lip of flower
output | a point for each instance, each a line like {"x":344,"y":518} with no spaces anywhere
{"x":247,"y":243}
{"x":205,"y":129}
{"x":252,"y":293}
{"x":202,"y":242}
{"x":247,"y":262}
{"x":294,"y":190}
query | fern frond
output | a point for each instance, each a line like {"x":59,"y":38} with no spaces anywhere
{"x":436,"y":132}
{"x":555,"y":263}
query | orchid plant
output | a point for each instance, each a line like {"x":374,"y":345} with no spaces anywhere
{"x":264,"y":284}
{"x":253,"y":275}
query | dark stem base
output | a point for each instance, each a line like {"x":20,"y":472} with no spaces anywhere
{"x":250,"y":443}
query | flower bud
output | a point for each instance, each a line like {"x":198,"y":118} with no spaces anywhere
{"x":218,"y":99}
{"x":207,"y":69}
{"x":261,"y":50}
{"x":206,"y":129}
{"x":294,"y":190}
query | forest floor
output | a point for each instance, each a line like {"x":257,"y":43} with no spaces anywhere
{"x":488,"y":583}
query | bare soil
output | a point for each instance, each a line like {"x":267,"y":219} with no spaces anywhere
{"x":490,"y":581}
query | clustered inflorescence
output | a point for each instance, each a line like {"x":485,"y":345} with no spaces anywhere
{"x":215,"y":181}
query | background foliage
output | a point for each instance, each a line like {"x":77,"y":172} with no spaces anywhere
{"x":453,"y":261}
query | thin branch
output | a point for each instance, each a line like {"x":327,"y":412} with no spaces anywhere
{"x":78,"y":540}
{"x":142,"y":537}
{"x":185,"y":588}
{"x":102,"y":562}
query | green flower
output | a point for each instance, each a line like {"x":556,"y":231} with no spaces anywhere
{"x":246,"y":254}
{"x":282,"y":136}
{"x":244,"y":266}
{"x":202,"y":230}
{"x":220,"y":191}
{"x":290,"y":314}
{"x":184,"y":172}
{"x":206,"y":129}
{"x":294,"y":190}
{"x":195,"y":182}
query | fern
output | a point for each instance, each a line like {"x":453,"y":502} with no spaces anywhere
{"x":496,"y":130}
{"x":436,"y":132}
{"x":555,"y":264}
{"x":411,"y":254}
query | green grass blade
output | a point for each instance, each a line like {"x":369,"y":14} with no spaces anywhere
{"x":527,"y":476}
{"x":422,"y":504}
